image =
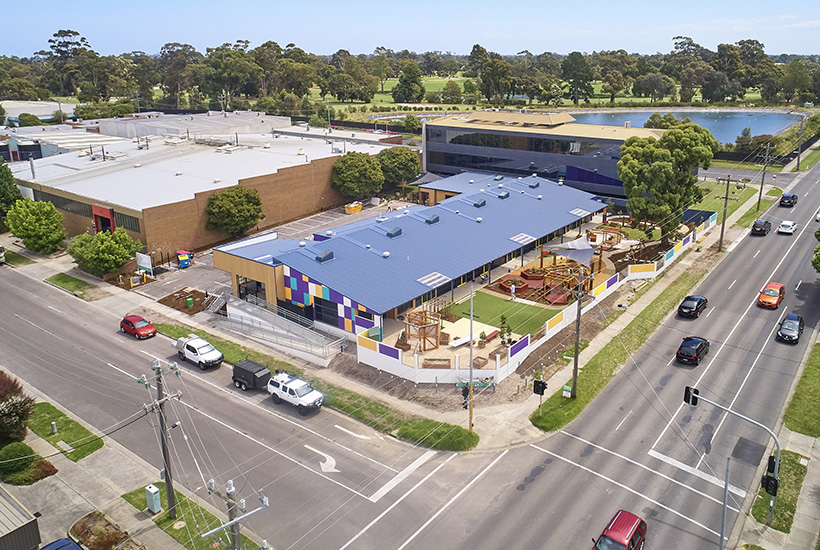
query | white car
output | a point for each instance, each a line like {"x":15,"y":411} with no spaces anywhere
{"x":787,"y":227}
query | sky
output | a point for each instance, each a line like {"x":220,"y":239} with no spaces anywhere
{"x":323,"y":27}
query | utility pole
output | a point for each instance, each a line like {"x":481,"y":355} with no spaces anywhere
{"x":470,"y":396}
{"x":763,"y":177}
{"x":233,"y":520}
{"x":579,"y":296}
{"x":725,"y":207}
{"x":159,"y":406}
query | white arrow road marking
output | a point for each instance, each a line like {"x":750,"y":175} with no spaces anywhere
{"x":354,"y":434}
{"x":329,"y":464}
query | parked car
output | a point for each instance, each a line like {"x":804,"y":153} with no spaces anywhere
{"x":284,"y":386}
{"x":790,"y":328}
{"x":62,"y":544}
{"x":692,"y":350}
{"x":761,"y":227}
{"x":196,"y":350}
{"x":624,"y":530}
{"x":787,"y":227}
{"x":139,"y":327}
{"x":692,"y":306}
{"x":771,"y":295}
{"x":788,"y":199}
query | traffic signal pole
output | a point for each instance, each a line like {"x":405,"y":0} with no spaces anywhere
{"x":691,"y":397}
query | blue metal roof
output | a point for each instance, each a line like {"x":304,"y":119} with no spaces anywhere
{"x":430,"y":246}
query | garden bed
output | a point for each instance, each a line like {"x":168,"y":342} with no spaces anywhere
{"x":179,"y":301}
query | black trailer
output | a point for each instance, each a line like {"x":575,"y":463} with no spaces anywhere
{"x":248,"y":374}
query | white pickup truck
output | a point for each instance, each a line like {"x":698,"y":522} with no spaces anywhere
{"x":284,"y":386}
{"x":196,"y":350}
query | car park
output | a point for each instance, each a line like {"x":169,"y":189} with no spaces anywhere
{"x":787,"y":227}
{"x":692,"y":350}
{"x":791,"y":327}
{"x":137,"y":326}
{"x":624,"y":531}
{"x":692,"y":306}
{"x":761,"y":227}
{"x":771,"y":295}
{"x":788,"y":199}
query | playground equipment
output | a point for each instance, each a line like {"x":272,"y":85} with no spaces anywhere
{"x":425,"y":326}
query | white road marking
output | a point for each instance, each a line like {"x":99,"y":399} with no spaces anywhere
{"x":795,"y":288}
{"x":412,"y":467}
{"x":55,"y":309}
{"x":354,"y":434}
{"x":697,"y":473}
{"x":710,"y":312}
{"x":657,"y":473}
{"x":621,"y":422}
{"x":328,"y":465}
{"x":401,"y":498}
{"x":756,"y":253}
{"x":222,"y":284}
{"x":731,"y":285}
{"x":622,"y":486}
{"x":452,"y":500}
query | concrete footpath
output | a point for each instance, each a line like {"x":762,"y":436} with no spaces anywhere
{"x":98,"y":480}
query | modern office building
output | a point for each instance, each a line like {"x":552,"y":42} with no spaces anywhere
{"x":554,"y":146}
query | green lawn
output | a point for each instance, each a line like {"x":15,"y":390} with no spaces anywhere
{"x":801,"y":414}
{"x":718,"y":163}
{"x":521,"y":318}
{"x":809,"y":160}
{"x":73,"y":433}
{"x":791,"y":476}
{"x":774,"y":192}
{"x":16,"y":259}
{"x":714,"y":198}
{"x":747,"y":219}
{"x":72,"y":284}
{"x":191,"y":519}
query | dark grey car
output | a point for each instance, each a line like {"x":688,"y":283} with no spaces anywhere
{"x":790,"y":328}
{"x":692,"y":350}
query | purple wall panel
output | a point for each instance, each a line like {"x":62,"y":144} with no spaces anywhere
{"x":388,"y":351}
{"x":521,"y":344}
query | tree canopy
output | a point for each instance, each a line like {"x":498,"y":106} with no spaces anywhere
{"x":235,"y":210}
{"x":357,"y":175}
{"x":38,"y":224}
{"x":399,"y":164}
{"x":658,"y":174}
{"x":104,"y":252}
{"x":9,"y":193}
{"x":409,"y":88}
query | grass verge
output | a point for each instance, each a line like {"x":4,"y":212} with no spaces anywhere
{"x":415,"y":429}
{"x":747,"y":219}
{"x":191,"y":520}
{"x":809,"y":160}
{"x":801,"y":414}
{"x":791,"y":476}
{"x":558,"y":411}
{"x":72,"y":284}
{"x":717,"y":163}
{"x":713,"y":201}
{"x":774,"y":192}
{"x":73,"y":433}
{"x":16,"y":259}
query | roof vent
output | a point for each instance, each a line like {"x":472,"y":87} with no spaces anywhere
{"x":480,"y":202}
{"x":385,"y":254}
{"x":395,"y":232}
{"x":501,"y":186}
{"x":534,"y":175}
{"x":302,"y":244}
{"x":137,"y":165}
{"x":179,"y":173}
{"x":381,"y":219}
{"x":431,"y":219}
{"x":519,"y":177}
{"x":539,"y":197}
{"x":504,"y":195}
{"x":534,"y":184}
{"x":499,"y":178}
{"x":324,"y":256}
{"x":266,"y":146}
{"x":406,"y":212}
{"x":217,"y":180}
{"x":479,"y":220}
{"x":367,"y":246}
{"x":472,"y":181}
{"x":329,"y":233}
{"x":300,"y":152}
{"x":458,"y":212}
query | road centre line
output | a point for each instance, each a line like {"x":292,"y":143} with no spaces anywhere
{"x":726,"y":341}
{"x":398,"y":501}
{"x":800,"y":282}
{"x":277,"y":415}
{"x":657,"y":473}
{"x":731,"y":285}
{"x":697,"y":473}
{"x":756,"y":253}
{"x":452,"y":500}
{"x":622,"y":486}
{"x":622,"y":421}
{"x":742,"y":384}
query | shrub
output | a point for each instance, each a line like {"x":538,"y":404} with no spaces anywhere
{"x":15,"y":457}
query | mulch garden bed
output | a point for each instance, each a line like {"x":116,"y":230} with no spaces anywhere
{"x":96,"y":532}
{"x":179,"y":301}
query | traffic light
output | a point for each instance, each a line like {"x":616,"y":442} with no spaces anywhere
{"x":465,"y":392}
{"x":690,"y":395}
{"x":538,"y":387}
{"x":770,"y":467}
{"x":769,"y":484}
{"x":464,"y":404}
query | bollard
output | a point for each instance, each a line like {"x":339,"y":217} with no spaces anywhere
{"x":53,"y":428}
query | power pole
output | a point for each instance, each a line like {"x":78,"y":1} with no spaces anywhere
{"x":763,"y":177}
{"x":470,"y":396}
{"x":233,"y":520}
{"x":725,"y":207}
{"x":578,"y":295}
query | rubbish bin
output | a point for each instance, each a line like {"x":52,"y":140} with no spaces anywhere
{"x":184,"y":258}
{"x":189,"y":302}
{"x":152,"y":497}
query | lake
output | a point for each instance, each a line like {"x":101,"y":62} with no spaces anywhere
{"x":726,"y":126}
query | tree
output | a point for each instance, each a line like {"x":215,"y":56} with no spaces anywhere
{"x":664,"y":122}
{"x":2,"y":115}
{"x":451,"y":92}
{"x":495,"y":79}
{"x":399,"y":164}
{"x":104,"y":252}
{"x":38,"y":224}
{"x":9,"y":193}
{"x":410,"y":88}
{"x":15,"y":409}
{"x":412,"y":123}
{"x":796,"y":79}
{"x":658,"y":174}
{"x":234,"y":211}
{"x":27,"y":119}
{"x":343,"y":86}
{"x":476,"y":60}
{"x":614,"y":82}
{"x":576,"y":71}
{"x":357,"y":175}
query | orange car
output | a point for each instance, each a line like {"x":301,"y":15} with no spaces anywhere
{"x":771,"y":295}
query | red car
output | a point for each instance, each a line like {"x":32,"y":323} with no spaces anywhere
{"x":771,"y":295}
{"x":624,"y":531}
{"x":139,"y":327}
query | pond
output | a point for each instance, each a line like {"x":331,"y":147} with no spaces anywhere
{"x":725,"y":125}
